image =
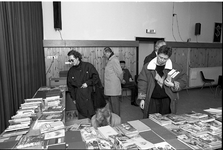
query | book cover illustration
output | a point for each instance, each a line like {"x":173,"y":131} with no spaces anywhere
{"x":192,"y":141}
{"x":54,"y":134}
{"x":176,"y":119}
{"x":127,"y":129}
{"x":53,"y":116}
{"x":142,"y":143}
{"x":73,"y":127}
{"x":139,"y":125}
{"x":92,"y":144}
{"x":210,"y":139}
{"x":31,"y":142}
{"x":88,"y":133}
{"x":163,"y":146}
{"x":105,"y":144}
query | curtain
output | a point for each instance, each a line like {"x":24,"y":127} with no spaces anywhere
{"x":22,"y":63}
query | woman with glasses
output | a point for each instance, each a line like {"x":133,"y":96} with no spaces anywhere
{"x":81,"y":78}
{"x":158,"y":89}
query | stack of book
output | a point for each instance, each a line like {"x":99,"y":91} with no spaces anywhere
{"x":139,"y":126}
{"x":160,"y":119}
{"x":127,"y":129}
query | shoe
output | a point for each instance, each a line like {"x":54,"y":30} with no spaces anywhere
{"x":134,"y":103}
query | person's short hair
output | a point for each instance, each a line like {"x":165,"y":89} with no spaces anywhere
{"x":108,"y":49}
{"x":122,"y":61}
{"x":159,"y":43}
{"x":167,"y":50}
{"x":76,"y":54}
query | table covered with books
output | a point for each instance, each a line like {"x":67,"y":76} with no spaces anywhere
{"x":46,"y":128}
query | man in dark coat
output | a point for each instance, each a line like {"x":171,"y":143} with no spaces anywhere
{"x":128,"y":82}
{"x":148,"y":58}
{"x":81,"y":78}
{"x":158,"y":91}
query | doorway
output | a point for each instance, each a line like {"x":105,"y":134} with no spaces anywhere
{"x":146,"y":46}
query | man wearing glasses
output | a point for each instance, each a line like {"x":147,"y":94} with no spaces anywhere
{"x":158,"y":89}
{"x":81,"y":78}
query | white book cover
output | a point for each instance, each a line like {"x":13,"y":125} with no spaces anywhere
{"x":142,"y":143}
{"x":106,"y":131}
{"x":51,"y":126}
{"x":54,"y":134}
{"x":140,"y":126}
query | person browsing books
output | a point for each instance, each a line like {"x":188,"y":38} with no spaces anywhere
{"x":81,"y":78}
{"x":128,"y":82}
{"x":112,"y":80}
{"x":104,"y":117}
{"x":158,"y":91}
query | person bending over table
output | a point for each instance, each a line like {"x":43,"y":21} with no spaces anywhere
{"x":104,"y":117}
{"x":157,"y":93}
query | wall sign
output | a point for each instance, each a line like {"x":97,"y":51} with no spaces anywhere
{"x":217,"y":32}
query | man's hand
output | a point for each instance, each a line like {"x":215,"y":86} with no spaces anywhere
{"x":142,"y":102}
{"x":130,"y":80}
{"x":84,"y":85}
{"x":169,"y":83}
{"x":123,"y":81}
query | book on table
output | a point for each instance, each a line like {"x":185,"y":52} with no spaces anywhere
{"x":14,"y":132}
{"x":88,"y":133}
{"x":211,"y":140}
{"x":193,"y":141}
{"x":139,"y":125}
{"x":51,"y":126}
{"x":32,"y":142}
{"x":127,"y":129}
{"x":11,"y":138}
{"x":197,"y":115}
{"x":55,"y":134}
{"x":17,"y":127}
{"x":160,"y":119}
{"x":176,"y":119}
{"x":51,"y":116}
{"x":54,"y":142}
{"x":106,"y":131}
{"x":163,"y":146}
{"x":54,"y":109}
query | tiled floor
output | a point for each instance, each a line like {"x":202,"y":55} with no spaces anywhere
{"x":193,"y":100}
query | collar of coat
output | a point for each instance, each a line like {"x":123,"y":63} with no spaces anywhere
{"x":152,"y":64}
{"x":111,"y":57}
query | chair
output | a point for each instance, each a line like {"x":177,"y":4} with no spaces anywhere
{"x":206,"y":81}
{"x":124,"y":90}
{"x":219,"y":86}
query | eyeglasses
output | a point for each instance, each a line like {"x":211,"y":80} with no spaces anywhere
{"x":71,"y":60}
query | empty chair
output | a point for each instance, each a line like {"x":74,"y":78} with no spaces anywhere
{"x":219,"y":86}
{"x":206,"y":81}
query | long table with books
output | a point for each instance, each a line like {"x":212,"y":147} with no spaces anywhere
{"x":187,"y":131}
{"x":40,"y":124}
{"x":33,"y":121}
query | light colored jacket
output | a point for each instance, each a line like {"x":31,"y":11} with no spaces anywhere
{"x":113,"y":77}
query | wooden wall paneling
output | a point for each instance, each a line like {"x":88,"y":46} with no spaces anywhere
{"x":198,"y":58}
{"x":214,"y":57}
{"x":93,"y":55}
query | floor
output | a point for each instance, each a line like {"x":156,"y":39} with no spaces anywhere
{"x":190,"y":100}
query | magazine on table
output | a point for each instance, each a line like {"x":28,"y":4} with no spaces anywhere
{"x":15,"y":132}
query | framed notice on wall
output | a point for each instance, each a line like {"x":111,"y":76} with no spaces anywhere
{"x":217,"y":32}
